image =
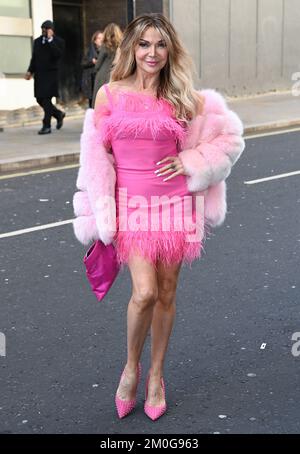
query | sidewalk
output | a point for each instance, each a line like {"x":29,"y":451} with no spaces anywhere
{"x":22,"y":148}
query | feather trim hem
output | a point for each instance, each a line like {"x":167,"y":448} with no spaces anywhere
{"x":168,"y":247}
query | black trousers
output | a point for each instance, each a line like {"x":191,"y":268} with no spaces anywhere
{"x":49,"y":111}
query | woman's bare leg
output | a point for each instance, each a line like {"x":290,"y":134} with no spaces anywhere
{"x":139,"y":316}
{"x":161,"y":328}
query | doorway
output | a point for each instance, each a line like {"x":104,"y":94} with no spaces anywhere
{"x":67,"y":16}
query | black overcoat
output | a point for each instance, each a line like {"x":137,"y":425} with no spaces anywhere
{"x":44,"y":65}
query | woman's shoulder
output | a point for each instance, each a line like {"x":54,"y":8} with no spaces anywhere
{"x":103,"y":100}
{"x":118,"y":85}
{"x":111,"y":88}
{"x":213,"y":100}
{"x":103,"y":51}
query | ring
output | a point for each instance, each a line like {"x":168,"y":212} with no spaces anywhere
{"x":173,"y":166}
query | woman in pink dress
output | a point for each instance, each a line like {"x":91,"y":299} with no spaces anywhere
{"x":156,"y":217}
{"x":141,"y":130}
{"x":142,"y":116}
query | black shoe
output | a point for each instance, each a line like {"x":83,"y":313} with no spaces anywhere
{"x":60,"y":120}
{"x":44,"y":130}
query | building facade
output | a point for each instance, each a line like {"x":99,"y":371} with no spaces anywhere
{"x":241,"y":47}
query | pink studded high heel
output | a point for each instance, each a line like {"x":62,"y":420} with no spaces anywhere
{"x":154,"y":412}
{"x":124,"y":407}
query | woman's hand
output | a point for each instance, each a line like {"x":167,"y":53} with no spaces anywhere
{"x":175,"y":166}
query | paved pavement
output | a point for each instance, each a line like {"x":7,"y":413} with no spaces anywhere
{"x":21,"y":148}
{"x":65,"y":351}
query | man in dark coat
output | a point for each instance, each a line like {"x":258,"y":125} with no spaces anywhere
{"x":44,"y":65}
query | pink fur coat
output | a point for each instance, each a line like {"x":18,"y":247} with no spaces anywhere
{"x":213,"y":145}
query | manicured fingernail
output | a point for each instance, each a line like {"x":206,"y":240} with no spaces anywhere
{"x":155,"y":171}
{"x":158,"y":163}
{"x":158,"y":174}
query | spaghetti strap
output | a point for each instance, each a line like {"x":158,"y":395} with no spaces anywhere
{"x":109,"y":96}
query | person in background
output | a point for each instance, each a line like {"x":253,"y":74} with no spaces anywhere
{"x":47,"y":53}
{"x":112,"y":37}
{"x":88,"y":64}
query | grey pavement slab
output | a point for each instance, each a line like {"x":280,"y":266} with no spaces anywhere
{"x":23,"y":147}
{"x":266,"y":111}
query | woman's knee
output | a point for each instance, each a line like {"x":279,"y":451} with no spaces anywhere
{"x":167,"y":291}
{"x":144,"y":282}
{"x":144,"y":297}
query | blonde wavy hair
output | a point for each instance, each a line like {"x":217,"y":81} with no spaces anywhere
{"x":176,"y":78}
{"x":112,"y":36}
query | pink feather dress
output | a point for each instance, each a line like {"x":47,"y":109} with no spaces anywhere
{"x":155,"y":219}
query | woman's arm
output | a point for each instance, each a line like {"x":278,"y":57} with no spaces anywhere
{"x":101,"y":57}
{"x":97,"y":175}
{"x":87,"y":60}
{"x":220,"y":146}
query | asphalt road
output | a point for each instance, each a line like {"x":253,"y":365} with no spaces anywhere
{"x":65,"y":351}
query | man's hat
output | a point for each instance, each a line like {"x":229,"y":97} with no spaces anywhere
{"x":48,"y":24}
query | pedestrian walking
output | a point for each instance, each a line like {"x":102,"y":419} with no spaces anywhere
{"x":112,"y":36}
{"x":152,"y":143}
{"x":44,"y":66}
{"x":88,"y":65}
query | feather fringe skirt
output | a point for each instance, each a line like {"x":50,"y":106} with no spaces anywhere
{"x":168,"y":247}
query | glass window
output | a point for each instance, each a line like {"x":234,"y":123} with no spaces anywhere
{"x":15,"y":54}
{"x":15,"y":8}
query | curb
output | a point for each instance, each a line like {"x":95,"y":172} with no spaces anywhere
{"x":10,"y":166}
{"x":73,"y":158}
{"x":268,"y":127}
{"x":38,"y":122}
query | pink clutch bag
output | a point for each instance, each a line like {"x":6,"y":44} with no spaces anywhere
{"x":102,"y":267}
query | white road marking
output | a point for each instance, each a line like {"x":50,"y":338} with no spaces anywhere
{"x":34,"y":229}
{"x":274,"y":177}
{"x":272,"y":133}
{"x":33,"y":172}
